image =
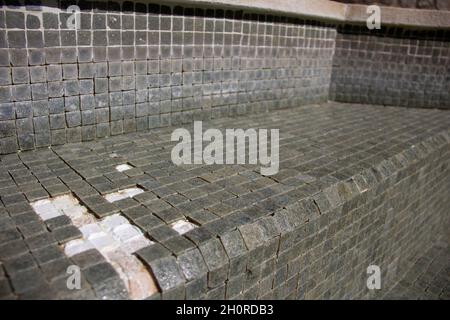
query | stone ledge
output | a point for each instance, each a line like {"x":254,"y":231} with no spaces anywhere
{"x":401,"y":17}
{"x":317,"y":9}
{"x":333,"y":11}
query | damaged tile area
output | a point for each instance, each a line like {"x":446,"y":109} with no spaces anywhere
{"x":114,"y":237}
{"x":123,"y":194}
{"x":63,"y":205}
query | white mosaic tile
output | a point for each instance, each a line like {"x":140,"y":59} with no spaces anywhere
{"x":51,"y":208}
{"x":126,"y":232}
{"x":65,"y":202}
{"x":50,"y":214}
{"x":131,"y":192}
{"x":77,"y":246}
{"x":113,"y":221}
{"x":123,"y":194}
{"x":136,"y":244}
{"x":89,"y":229}
{"x":103,"y":241}
{"x":123,"y":167}
{"x":42,"y":207}
{"x":75,"y":212}
{"x":116,"y":196}
{"x":182,"y":226}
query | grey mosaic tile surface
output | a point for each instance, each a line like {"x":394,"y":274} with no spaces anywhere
{"x":427,"y":278}
{"x":358,"y":185}
{"x":134,"y":66}
{"x":392,"y":66}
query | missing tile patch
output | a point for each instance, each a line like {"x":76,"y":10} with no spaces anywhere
{"x":114,"y":237}
{"x":63,"y":205}
{"x":117,"y":240}
{"x":123,"y":167}
{"x":123,"y":194}
{"x":182,"y":226}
